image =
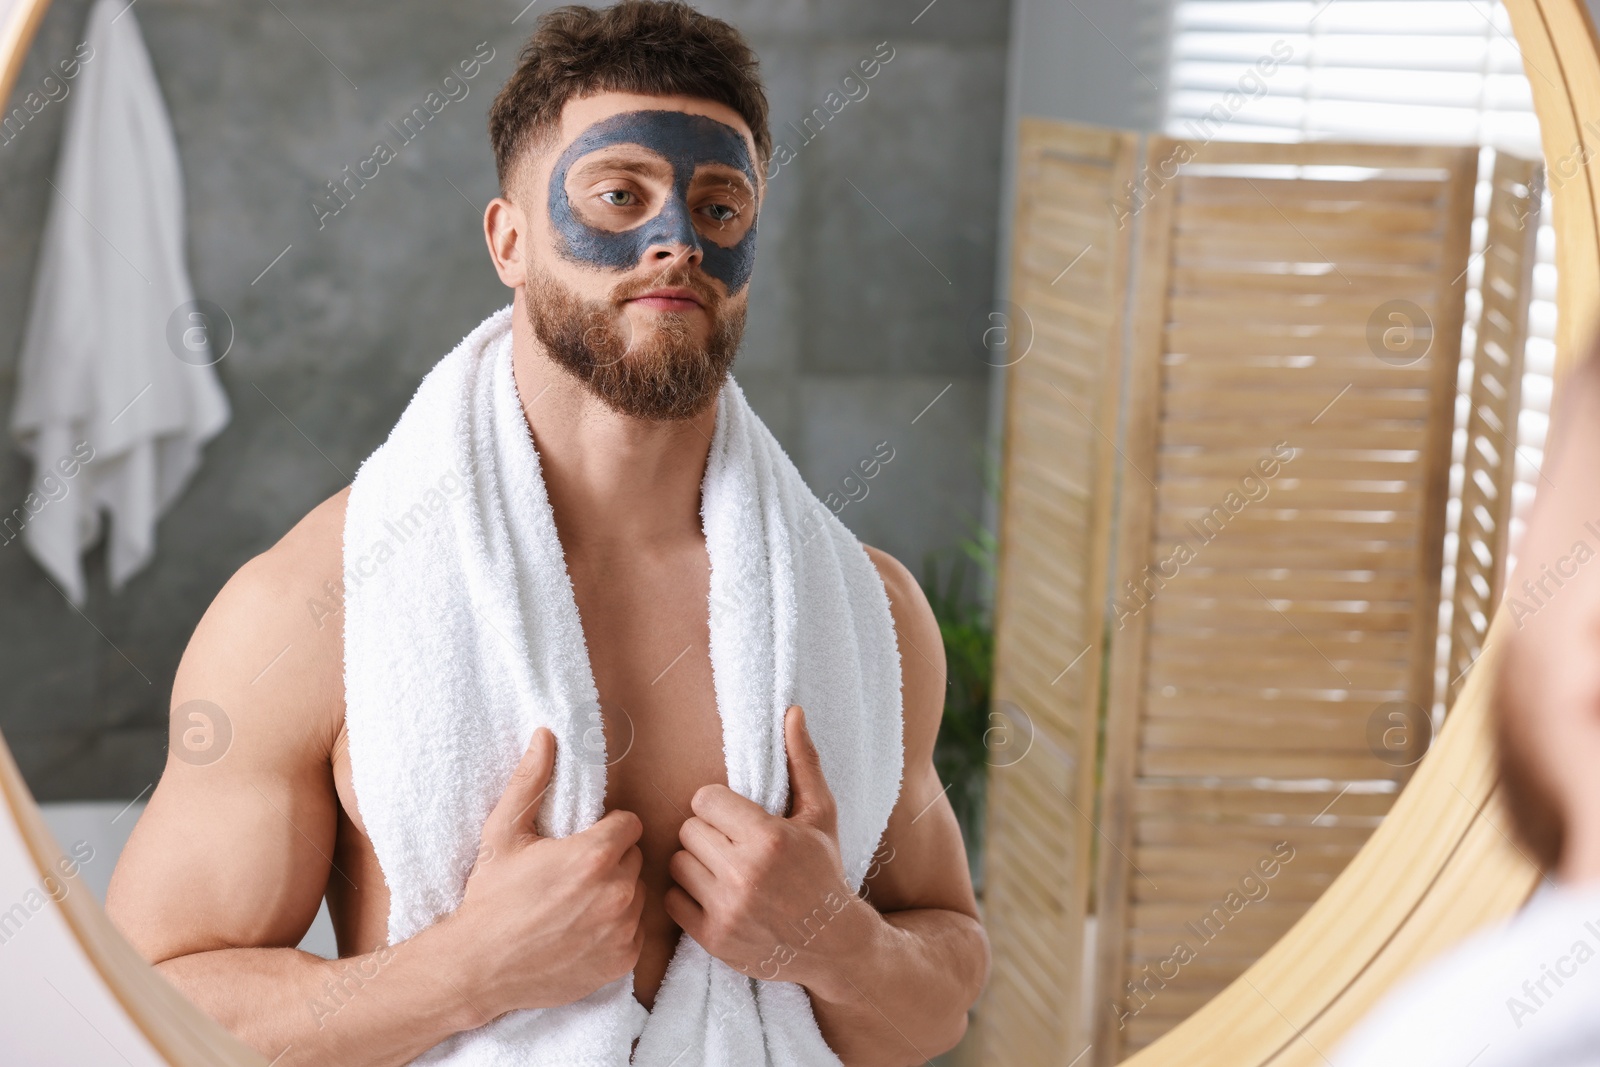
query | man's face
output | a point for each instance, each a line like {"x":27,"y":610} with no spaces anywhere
{"x":643,"y":227}
{"x":1547,"y":694}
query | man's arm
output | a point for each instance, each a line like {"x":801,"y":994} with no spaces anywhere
{"x":892,"y":972}
{"x":225,"y":870}
{"x":898,"y":990}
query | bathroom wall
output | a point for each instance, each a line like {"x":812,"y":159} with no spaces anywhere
{"x":877,"y":254}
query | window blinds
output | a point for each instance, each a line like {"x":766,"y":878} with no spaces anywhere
{"x":1437,"y":71}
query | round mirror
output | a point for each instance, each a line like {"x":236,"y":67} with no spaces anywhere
{"x":1269,"y":387}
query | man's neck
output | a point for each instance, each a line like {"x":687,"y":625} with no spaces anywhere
{"x":616,"y":483}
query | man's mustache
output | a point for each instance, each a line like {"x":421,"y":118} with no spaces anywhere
{"x":673,"y":277}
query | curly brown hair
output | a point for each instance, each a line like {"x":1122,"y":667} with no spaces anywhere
{"x":659,"y":47}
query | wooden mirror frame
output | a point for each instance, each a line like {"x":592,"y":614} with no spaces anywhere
{"x":1440,"y":866}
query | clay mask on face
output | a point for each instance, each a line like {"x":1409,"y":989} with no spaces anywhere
{"x":685,"y":141}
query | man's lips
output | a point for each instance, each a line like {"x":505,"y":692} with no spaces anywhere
{"x":668,"y":299}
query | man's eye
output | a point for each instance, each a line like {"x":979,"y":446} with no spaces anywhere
{"x":722,"y":212}
{"x":623,"y":198}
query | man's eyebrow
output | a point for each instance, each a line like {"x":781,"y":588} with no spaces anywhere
{"x":726,"y":173}
{"x":629,"y":164}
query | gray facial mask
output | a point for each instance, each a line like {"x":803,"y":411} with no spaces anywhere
{"x":685,"y":141}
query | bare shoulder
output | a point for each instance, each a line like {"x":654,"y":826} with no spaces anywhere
{"x":271,"y":643}
{"x":920,"y":862}
{"x":232,"y":848}
{"x":922,"y":661}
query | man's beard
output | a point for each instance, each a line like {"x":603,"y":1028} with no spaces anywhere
{"x":663,"y":374}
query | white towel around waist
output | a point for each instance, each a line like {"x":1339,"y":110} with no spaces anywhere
{"x":462,"y":636}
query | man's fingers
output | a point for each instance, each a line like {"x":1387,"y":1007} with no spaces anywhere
{"x":518,"y":806}
{"x":693,"y":875}
{"x":617,"y":831}
{"x":810,"y":799}
{"x":737,"y":817}
{"x":682,"y":909}
{"x":632,"y":863}
{"x":636,"y":906}
{"x":710,"y":846}
{"x":638,"y":931}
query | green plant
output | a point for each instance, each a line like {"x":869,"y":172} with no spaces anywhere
{"x":961,"y":755}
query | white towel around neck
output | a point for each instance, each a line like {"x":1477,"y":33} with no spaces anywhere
{"x":98,"y":374}
{"x":462,"y":636}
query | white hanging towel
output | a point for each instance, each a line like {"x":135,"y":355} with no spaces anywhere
{"x":100,"y":374}
{"x":462,"y":636}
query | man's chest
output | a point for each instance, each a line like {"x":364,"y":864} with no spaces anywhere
{"x":647,"y":630}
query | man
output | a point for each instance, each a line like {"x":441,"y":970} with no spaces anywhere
{"x":1528,"y":992}
{"x":631,"y":146}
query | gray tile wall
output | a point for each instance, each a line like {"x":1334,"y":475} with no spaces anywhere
{"x":877,"y":256}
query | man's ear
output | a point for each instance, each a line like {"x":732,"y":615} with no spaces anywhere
{"x":506,"y":230}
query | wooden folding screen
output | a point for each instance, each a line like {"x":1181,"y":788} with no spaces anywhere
{"x":1490,"y":461}
{"x":1296,"y":314}
{"x":1068,"y":262}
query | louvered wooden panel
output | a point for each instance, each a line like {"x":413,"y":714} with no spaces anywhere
{"x":1033,"y":909}
{"x":1279,"y":545}
{"x":1068,"y":262}
{"x":1490,"y":460}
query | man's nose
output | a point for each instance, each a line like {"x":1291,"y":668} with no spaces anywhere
{"x":671,"y":235}
{"x":661,"y":254}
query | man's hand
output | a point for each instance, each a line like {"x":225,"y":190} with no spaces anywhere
{"x":547,"y":921}
{"x":759,"y":892}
